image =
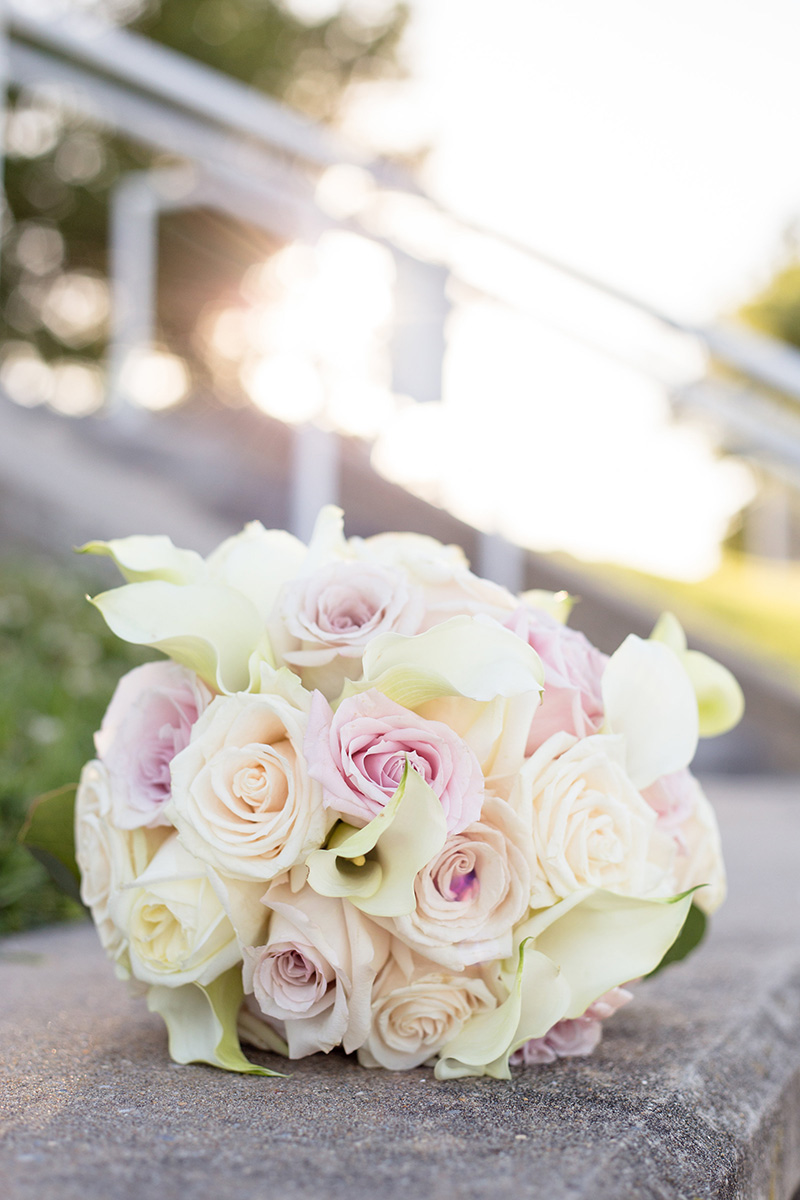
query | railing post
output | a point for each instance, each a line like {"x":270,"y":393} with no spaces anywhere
{"x":314,"y":479}
{"x":133,"y":264}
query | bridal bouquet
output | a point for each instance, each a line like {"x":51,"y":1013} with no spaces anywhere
{"x":371,"y":800}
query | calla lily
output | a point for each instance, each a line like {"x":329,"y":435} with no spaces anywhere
{"x":207,"y":627}
{"x":720,"y":702}
{"x":599,"y":940}
{"x":141,"y":558}
{"x":470,"y":672}
{"x":536,"y":1001}
{"x":556,"y":604}
{"x":257,"y":562}
{"x":569,"y":954}
{"x":328,"y":543}
{"x":405,"y":836}
{"x":472,"y":657}
{"x":201,"y":1022}
{"x":648,"y":698}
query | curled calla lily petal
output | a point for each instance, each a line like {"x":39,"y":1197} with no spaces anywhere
{"x":567,"y":954}
{"x":405,"y":836}
{"x":720,"y":702}
{"x":207,"y":627}
{"x":599,"y":940}
{"x":670,"y":632}
{"x":648,"y":698}
{"x":140,"y":558}
{"x":328,"y":543}
{"x":472,"y":657}
{"x":257,"y":562}
{"x":557,"y":604}
{"x":201,"y":1022}
{"x":537,"y":999}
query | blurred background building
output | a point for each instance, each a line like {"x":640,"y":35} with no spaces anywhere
{"x":525,"y":278}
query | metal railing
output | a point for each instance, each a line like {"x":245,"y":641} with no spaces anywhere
{"x":254,"y":159}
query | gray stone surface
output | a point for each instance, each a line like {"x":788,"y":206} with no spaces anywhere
{"x":695,"y":1091}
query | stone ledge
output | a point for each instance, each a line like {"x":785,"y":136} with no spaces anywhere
{"x":695,"y":1091}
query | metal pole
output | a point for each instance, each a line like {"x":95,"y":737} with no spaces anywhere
{"x":315,"y":476}
{"x":133,"y":255}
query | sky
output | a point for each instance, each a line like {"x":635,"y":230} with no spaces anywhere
{"x":651,"y":145}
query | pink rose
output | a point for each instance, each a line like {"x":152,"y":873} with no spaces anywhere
{"x":573,"y":673}
{"x":313,"y":978}
{"x":337,"y":610}
{"x":359,"y":756}
{"x":673,"y":798}
{"x":573,"y":1038}
{"x":148,"y":722}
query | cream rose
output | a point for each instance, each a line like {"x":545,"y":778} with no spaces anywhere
{"x":242,"y":798}
{"x":590,"y":826}
{"x":314,"y":975}
{"x":417,"y":1008}
{"x":699,"y":858}
{"x":472,"y":893}
{"x":333,"y":613}
{"x":442,"y":572}
{"x":184,"y":923}
{"x":109,"y":858}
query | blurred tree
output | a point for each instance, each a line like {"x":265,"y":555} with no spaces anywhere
{"x":775,"y":309}
{"x":60,"y":170}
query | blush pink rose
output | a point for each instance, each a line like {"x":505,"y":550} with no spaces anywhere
{"x":573,"y":1038}
{"x":573,"y":671}
{"x":337,"y":610}
{"x":673,"y":798}
{"x":148,"y":722}
{"x":360,"y":753}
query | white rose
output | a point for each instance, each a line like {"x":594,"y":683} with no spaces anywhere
{"x":328,"y":617}
{"x":417,"y":1008}
{"x":109,"y":858}
{"x":183,"y":922}
{"x":448,"y":586}
{"x":590,"y":826}
{"x":314,"y":975}
{"x":242,"y":798}
{"x":472,"y":893}
{"x":699,"y":858}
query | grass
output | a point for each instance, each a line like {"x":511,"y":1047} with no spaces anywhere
{"x":58,"y":668}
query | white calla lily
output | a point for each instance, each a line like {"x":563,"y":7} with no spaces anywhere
{"x":257,"y":562}
{"x":405,"y":836}
{"x":201,"y":1022}
{"x":720,"y":702}
{"x":648,"y":698}
{"x":556,"y":604}
{"x":569,"y":954}
{"x":599,"y":940}
{"x":208,"y":627}
{"x":536,"y":1001}
{"x":472,"y":657}
{"x":140,"y":558}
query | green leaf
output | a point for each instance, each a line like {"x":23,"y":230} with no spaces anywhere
{"x":690,"y":936}
{"x":201,"y":1023}
{"x":49,"y":835}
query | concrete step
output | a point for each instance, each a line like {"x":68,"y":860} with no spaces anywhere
{"x":695,"y":1091}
